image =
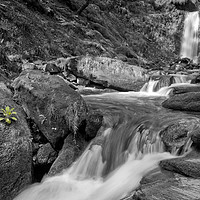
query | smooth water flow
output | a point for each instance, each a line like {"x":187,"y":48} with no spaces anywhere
{"x":127,"y":147}
{"x":189,"y":45}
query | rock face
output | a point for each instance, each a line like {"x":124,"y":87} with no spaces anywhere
{"x":185,"y":89}
{"x":107,"y":72}
{"x":196,"y":139}
{"x":44,"y":157}
{"x":187,"y":166}
{"x":15,"y":150}
{"x":186,"y":102}
{"x":163,"y":185}
{"x":70,"y":151}
{"x":189,"y":5}
{"x":176,"y":136}
{"x":94,"y":121}
{"x":56,"y":108}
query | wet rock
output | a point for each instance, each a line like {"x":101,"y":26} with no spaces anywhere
{"x":46,"y":154}
{"x":189,"y":6}
{"x":185,"y":102}
{"x":15,"y":150}
{"x":195,"y":80}
{"x":187,"y":165}
{"x":44,"y":157}
{"x":55,"y":108}
{"x":71,"y":150}
{"x":52,"y":68}
{"x":93,"y":123}
{"x":107,"y":72}
{"x":177,"y":135}
{"x":185,"y":89}
{"x":196,"y":139}
{"x":165,"y":185}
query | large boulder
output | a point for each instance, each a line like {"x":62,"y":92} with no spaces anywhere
{"x":44,"y":157}
{"x":48,"y":100}
{"x":189,"y":101}
{"x":186,"y":88}
{"x":15,"y":149}
{"x":70,"y":151}
{"x":94,"y":121}
{"x":110,"y":73}
{"x":177,"y":135}
{"x":187,"y":165}
{"x":165,"y":185}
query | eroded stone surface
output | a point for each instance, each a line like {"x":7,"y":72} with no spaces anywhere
{"x":15,"y":150}
{"x":49,"y":101}
{"x":167,"y":186}
{"x":189,"y":101}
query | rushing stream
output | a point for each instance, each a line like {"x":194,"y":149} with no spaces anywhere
{"x":127,"y":147}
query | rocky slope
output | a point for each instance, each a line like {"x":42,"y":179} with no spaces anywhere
{"x":137,"y":32}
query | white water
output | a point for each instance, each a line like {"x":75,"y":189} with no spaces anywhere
{"x":163,"y":87}
{"x":119,"y":183}
{"x":84,"y":180}
{"x":189,"y":45}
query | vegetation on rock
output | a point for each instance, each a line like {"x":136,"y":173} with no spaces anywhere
{"x":133,"y":31}
{"x":8,"y":115}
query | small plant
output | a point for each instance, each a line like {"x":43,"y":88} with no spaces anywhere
{"x":8,"y":115}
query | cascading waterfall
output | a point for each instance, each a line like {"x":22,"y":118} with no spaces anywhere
{"x":189,"y":45}
{"x":162,"y":85}
{"x":128,"y":148}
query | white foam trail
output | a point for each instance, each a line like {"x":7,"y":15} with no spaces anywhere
{"x":122,"y":181}
{"x":90,"y":164}
{"x":127,"y":178}
{"x":189,"y":45}
{"x":149,"y":86}
{"x":63,"y":187}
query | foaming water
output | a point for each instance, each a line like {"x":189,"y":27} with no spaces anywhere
{"x":189,"y":46}
{"x":115,"y":186}
{"x":162,"y":85}
{"x":127,"y":147}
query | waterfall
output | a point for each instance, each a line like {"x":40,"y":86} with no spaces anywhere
{"x":162,"y":85}
{"x":189,"y":45}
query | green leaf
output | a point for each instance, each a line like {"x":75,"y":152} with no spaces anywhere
{"x":12,"y":109}
{"x":7,"y":109}
{"x":8,"y":120}
{"x":14,"y":118}
{"x":3,"y":111}
{"x":1,"y":118}
{"x":14,"y":113}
